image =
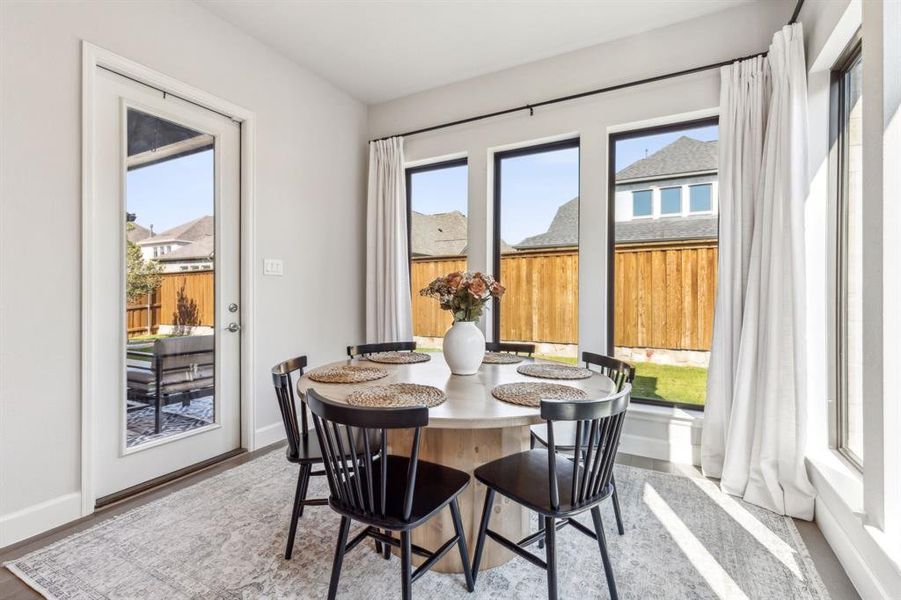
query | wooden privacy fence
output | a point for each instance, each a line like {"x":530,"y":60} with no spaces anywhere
{"x":428,"y":319}
{"x":664,"y":296}
{"x":181,"y":299}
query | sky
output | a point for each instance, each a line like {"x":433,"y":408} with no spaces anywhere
{"x":173,"y":192}
{"x":532,"y":187}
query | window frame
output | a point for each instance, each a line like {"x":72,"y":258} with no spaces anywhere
{"x":681,"y":210}
{"x":499,"y":157}
{"x":839,"y":148}
{"x":613,"y":138}
{"x":408,"y":192}
{"x":650,"y":190}
{"x":696,"y":185}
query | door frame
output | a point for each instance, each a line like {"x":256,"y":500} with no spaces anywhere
{"x":93,"y":57}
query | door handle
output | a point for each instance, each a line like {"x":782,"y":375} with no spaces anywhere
{"x":233,"y":327}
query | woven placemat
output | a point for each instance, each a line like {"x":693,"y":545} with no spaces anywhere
{"x":547,"y":371}
{"x":531,"y":394}
{"x":501,"y":358}
{"x":398,"y":358}
{"x":346,"y":374}
{"x":397,"y":394}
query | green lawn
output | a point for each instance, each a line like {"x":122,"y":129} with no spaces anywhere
{"x":669,"y":382}
{"x":661,"y":382}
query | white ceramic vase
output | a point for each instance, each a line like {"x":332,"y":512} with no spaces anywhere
{"x":464,"y":348}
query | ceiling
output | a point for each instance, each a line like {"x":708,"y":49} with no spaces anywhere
{"x":378,"y":50}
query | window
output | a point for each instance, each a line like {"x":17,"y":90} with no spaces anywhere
{"x":700,"y":198}
{"x":846,"y":112}
{"x":536,"y":247}
{"x":642,"y":203}
{"x":671,"y":201}
{"x":437,"y":201}
{"x":662,"y":279}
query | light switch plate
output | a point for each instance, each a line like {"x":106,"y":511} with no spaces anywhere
{"x":273,"y":266}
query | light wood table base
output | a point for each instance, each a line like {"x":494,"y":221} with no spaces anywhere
{"x":466,"y":450}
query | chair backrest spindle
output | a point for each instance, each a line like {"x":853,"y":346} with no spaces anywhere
{"x":601,"y":420}
{"x":511,"y":347}
{"x":348,"y":434}
{"x":364,"y":349}
{"x":284,"y":392}
{"x":619,"y":371}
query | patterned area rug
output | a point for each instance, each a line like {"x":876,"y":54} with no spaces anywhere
{"x":176,"y":419}
{"x":224,"y":538}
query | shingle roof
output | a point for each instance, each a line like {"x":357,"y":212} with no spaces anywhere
{"x":564,"y":229}
{"x":202,"y":248}
{"x":191,"y":231}
{"x":136,"y":233}
{"x":685,"y":155}
{"x":667,"y":229}
{"x":443,"y":234}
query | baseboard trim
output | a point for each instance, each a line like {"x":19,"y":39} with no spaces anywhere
{"x":872,"y":565}
{"x":33,"y":520}
{"x":663,"y":433}
{"x":864,"y":580}
{"x":270,"y":434}
{"x":660,"y":449}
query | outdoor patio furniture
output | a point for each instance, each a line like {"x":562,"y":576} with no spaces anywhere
{"x":178,"y":369}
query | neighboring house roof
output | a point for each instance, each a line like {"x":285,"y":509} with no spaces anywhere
{"x":202,"y":249}
{"x":563,"y":231}
{"x":443,"y":234}
{"x":667,"y":229}
{"x":191,"y":231}
{"x":685,"y":155}
{"x":136,"y":233}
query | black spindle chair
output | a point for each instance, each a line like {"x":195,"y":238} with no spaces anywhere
{"x":303,"y":448}
{"x":557,"y":488}
{"x":365,"y":349}
{"x":510,"y":347}
{"x":621,"y":373}
{"x":385,"y":492}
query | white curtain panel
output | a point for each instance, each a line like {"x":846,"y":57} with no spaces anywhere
{"x":388,"y":313}
{"x":744,"y":97}
{"x":754,"y":425}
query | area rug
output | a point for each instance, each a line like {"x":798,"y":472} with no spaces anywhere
{"x":224,"y":538}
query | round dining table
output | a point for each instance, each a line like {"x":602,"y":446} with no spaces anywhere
{"x":469,"y":429}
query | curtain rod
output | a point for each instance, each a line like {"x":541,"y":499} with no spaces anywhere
{"x":531,"y":107}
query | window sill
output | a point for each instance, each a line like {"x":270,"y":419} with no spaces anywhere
{"x":667,"y":414}
{"x":871,"y":557}
{"x":840,"y":478}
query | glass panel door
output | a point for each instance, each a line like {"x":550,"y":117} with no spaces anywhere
{"x":166,"y":272}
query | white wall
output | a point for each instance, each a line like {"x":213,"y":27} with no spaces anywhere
{"x":730,"y":34}
{"x":310,"y":210}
